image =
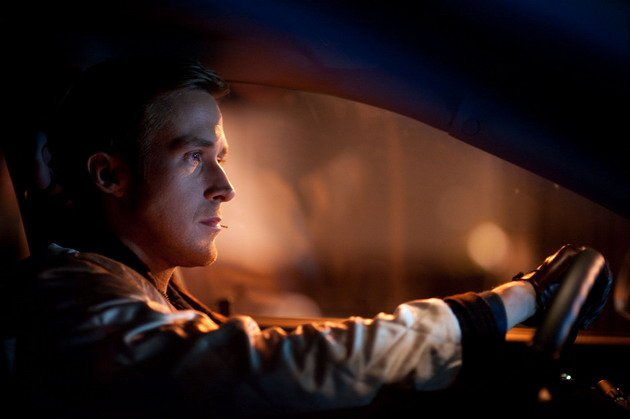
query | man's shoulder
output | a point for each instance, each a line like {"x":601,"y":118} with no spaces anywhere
{"x":59,"y":258}
{"x":67,"y":267}
{"x":58,"y":281}
{"x":51,"y":255}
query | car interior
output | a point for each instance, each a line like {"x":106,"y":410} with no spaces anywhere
{"x":381,"y":153}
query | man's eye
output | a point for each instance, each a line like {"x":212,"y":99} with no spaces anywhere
{"x":222,"y":160}
{"x":194,"y":157}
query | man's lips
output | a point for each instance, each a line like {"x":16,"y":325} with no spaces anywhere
{"x":213,"y":222}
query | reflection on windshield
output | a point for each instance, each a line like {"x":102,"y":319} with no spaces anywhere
{"x":346,"y":209}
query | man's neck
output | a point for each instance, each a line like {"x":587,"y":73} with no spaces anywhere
{"x":160,"y":273}
{"x":162,"y":279}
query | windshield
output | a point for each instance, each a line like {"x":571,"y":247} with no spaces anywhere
{"x":346,"y":209}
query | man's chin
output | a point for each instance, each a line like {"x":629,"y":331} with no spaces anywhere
{"x":199,"y":259}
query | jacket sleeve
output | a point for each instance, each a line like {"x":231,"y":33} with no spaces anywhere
{"x":97,"y":334}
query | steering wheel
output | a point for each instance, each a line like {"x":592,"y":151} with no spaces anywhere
{"x":559,"y":328}
{"x":558,"y":325}
{"x":522,"y":384}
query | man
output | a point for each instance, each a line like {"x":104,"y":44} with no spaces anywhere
{"x":101,"y":328}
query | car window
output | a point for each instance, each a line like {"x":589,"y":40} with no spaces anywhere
{"x":347,"y":209}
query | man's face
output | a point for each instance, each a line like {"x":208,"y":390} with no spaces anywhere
{"x":174,"y":213}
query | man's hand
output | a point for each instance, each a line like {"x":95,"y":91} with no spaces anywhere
{"x":546,"y":280}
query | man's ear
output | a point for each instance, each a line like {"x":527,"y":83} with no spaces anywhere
{"x":109,"y":172}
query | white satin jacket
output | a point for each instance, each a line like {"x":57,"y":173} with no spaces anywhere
{"x":93,"y":334}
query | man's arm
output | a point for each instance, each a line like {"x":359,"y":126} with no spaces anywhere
{"x":519,"y":301}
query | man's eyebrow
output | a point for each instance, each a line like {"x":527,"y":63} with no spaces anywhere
{"x":186,"y":141}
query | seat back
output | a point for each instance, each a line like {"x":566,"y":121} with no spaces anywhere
{"x":13,"y":248}
{"x":13,"y":243}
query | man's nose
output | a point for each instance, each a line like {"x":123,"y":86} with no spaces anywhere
{"x":220,"y":188}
